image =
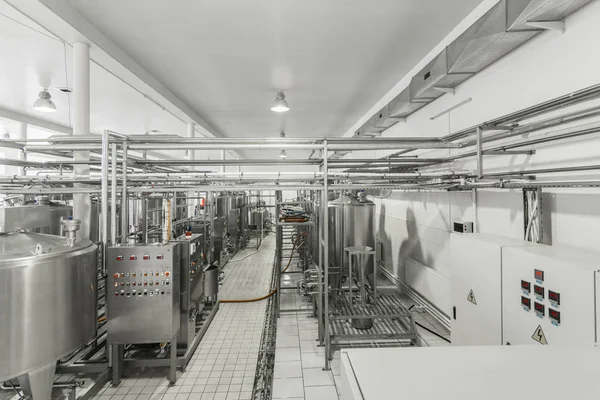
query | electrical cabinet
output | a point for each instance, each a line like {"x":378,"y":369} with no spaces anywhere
{"x":549,"y":295}
{"x":142,"y":292}
{"x":476,"y":280}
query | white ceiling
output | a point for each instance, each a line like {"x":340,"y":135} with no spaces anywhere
{"x":226,"y":58}
{"x":36,"y":59}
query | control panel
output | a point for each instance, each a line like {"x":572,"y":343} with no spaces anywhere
{"x":542,"y":283}
{"x":143,"y":284}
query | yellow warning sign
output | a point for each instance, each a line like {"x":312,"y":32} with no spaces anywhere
{"x":539,"y":335}
{"x":471,"y":297}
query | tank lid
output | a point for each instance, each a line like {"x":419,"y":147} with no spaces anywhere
{"x":19,"y":245}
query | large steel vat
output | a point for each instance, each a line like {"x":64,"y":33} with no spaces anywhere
{"x":48,"y":293}
{"x":351,"y":223}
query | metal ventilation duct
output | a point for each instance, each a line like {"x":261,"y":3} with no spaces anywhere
{"x":501,"y":30}
{"x":521,"y":12}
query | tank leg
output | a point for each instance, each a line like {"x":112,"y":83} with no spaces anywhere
{"x":173,"y":361}
{"x":37,"y":384}
{"x":117,"y":351}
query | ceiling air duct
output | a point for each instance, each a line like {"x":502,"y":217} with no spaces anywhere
{"x":506,"y":26}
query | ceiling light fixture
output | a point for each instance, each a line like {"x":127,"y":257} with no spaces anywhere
{"x":280,"y":105}
{"x":44,"y":103}
{"x":282,"y":152}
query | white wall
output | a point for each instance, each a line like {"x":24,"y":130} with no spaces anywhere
{"x":414,"y":226}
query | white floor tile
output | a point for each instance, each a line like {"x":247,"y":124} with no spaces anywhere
{"x":288,"y":387}
{"x":312,"y":360}
{"x":288,"y":369}
{"x":317,"y":377}
{"x":287,"y":354}
{"x":321,"y":393}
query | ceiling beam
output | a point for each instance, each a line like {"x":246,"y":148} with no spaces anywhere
{"x":35,"y":121}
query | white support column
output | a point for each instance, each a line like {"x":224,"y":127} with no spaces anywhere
{"x":191,"y":132}
{"x":82,"y":203}
{"x":223,"y":157}
{"x":22,"y":135}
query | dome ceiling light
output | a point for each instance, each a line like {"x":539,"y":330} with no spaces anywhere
{"x":280,"y":105}
{"x":44,"y":103}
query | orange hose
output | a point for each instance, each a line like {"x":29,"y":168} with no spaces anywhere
{"x":294,"y":249}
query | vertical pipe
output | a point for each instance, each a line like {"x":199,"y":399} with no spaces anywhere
{"x":213,"y":212}
{"x":279,"y":252}
{"x":124,"y":212}
{"x":474,"y":198}
{"x":326,"y":254}
{"x":192,"y":202}
{"x":113,"y":195}
{"x":145,"y":219}
{"x":104,"y":199}
{"x":82,"y":203}
{"x":145,"y":210}
{"x":479,"y":153}
{"x":223,"y":157}
{"x":22,"y":155}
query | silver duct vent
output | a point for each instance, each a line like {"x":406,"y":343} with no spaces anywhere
{"x":506,"y":26}
{"x":520,"y":13}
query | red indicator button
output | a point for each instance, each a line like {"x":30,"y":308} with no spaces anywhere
{"x":133,"y":283}
{"x":133,"y":258}
{"x":167,"y":273}
{"x":116,"y":275}
{"x":145,"y":283}
{"x":539,"y":275}
{"x":116,"y":293}
{"x":119,"y":258}
{"x":159,"y":256}
{"x":146,"y":257}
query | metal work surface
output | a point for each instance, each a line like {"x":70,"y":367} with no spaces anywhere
{"x":466,"y":373}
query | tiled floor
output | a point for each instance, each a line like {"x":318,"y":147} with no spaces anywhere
{"x":224,"y":364}
{"x":299,"y":360}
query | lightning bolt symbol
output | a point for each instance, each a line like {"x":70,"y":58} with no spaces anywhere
{"x":539,"y":334}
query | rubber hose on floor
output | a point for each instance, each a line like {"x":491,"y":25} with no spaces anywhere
{"x":295,"y":248}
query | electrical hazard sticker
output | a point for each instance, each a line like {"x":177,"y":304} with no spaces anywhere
{"x":539,"y":335}
{"x":471,"y":297}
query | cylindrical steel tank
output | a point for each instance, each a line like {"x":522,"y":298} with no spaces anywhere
{"x":48,"y":293}
{"x":223,"y":205}
{"x":351,"y":223}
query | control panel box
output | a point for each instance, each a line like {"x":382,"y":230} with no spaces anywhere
{"x":475,"y":276}
{"x":143,"y":293}
{"x":549,"y":295}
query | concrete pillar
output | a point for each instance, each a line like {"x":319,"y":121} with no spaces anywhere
{"x":82,"y":204}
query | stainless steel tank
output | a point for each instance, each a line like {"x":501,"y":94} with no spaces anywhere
{"x":351,"y":223}
{"x":223,"y":205}
{"x":48,"y":293}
